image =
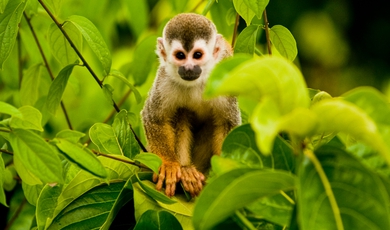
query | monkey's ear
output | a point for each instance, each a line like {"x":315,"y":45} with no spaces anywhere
{"x":222,"y":48}
{"x":218,"y":47}
{"x":161,"y":49}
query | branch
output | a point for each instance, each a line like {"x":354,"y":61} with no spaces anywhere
{"x":85,"y":63}
{"x":46,"y":64}
{"x":267,"y":32}
{"x":6,"y":151}
{"x":235,"y":29}
{"x":119,"y":159}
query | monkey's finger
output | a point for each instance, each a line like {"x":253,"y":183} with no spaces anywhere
{"x":161,"y":177}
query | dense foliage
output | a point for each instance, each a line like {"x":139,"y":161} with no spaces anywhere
{"x":72,"y":145}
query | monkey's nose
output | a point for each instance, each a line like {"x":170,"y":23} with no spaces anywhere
{"x":190,"y":74}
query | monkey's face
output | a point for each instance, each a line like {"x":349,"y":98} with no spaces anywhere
{"x":189,"y":65}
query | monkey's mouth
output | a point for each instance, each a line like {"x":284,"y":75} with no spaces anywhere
{"x":190,"y":74}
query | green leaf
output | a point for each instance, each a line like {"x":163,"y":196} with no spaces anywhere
{"x":221,"y":72}
{"x":9,"y":109}
{"x":350,"y":120}
{"x":46,"y":204}
{"x":36,"y":155}
{"x":107,"y":91}
{"x":360,"y":196}
{"x":240,"y":145}
{"x":151,"y":160}
{"x":120,"y":76}
{"x":2,"y":180}
{"x":224,"y":24}
{"x":94,"y":39}
{"x":150,"y":189}
{"x":32,"y":192}
{"x":96,"y":208}
{"x":29,"y":90}
{"x":153,"y":219}
{"x":70,"y":135}
{"x":267,"y":76}
{"x":60,"y":47}
{"x":3,"y":4}
{"x":125,"y":137}
{"x":31,"y":119}
{"x":244,"y":10}
{"x":57,"y":88}
{"x":246,"y":40}
{"x":284,"y":42}
{"x":257,"y":6}
{"x":9,"y":21}
{"x":145,"y":57}
{"x":82,"y":157}
{"x":104,"y":137}
{"x":219,"y":200}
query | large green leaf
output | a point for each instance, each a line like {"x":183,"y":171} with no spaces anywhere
{"x":151,"y":160}
{"x":350,"y":120}
{"x":104,"y":137}
{"x":337,"y":192}
{"x":152,"y":192}
{"x":94,"y":39}
{"x":30,"y":118}
{"x":46,"y":203}
{"x":3,"y":4}
{"x":219,"y":199}
{"x":153,"y":219}
{"x":9,"y":21}
{"x":95,"y":209}
{"x":267,"y":76}
{"x":9,"y":109}
{"x":60,"y":47}
{"x":244,"y":10}
{"x":29,"y":90}
{"x":139,"y":18}
{"x":54,"y":6}
{"x":246,"y":40}
{"x":144,"y":54}
{"x":257,"y":6}
{"x":57,"y":88}
{"x":284,"y":42}
{"x":82,"y":157}
{"x":36,"y":155}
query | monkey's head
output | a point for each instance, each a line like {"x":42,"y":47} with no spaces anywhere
{"x":189,"y":48}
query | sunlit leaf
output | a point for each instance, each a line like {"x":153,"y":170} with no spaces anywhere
{"x":36,"y":155}
{"x":153,"y":219}
{"x":29,"y":90}
{"x":30,"y":118}
{"x":32,"y":192}
{"x":219,"y":200}
{"x":108,"y":91}
{"x":224,"y":24}
{"x":360,"y":195}
{"x":70,"y":135}
{"x":6,"y":108}
{"x":246,"y":40}
{"x":244,"y":10}
{"x":46,"y":203}
{"x":3,"y":4}
{"x":94,"y":39}
{"x":9,"y":21}
{"x":257,"y":6}
{"x":57,"y":88}
{"x":54,"y":6}
{"x":60,"y":47}
{"x":82,"y":157}
{"x":2,"y":180}
{"x":145,"y":57}
{"x":284,"y":42}
{"x":104,"y":137}
{"x":152,"y":192}
{"x":152,"y":161}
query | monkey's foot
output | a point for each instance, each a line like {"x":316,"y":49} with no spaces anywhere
{"x":192,"y":180}
{"x":170,"y":173}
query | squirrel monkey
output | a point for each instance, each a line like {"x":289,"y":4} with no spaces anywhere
{"x":181,"y":127}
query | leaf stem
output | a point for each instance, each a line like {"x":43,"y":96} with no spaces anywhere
{"x":85,"y":63}
{"x":267,"y":32}
{"x":97,"y":153}
{"x":328,"y":188}
{"x":47,"y":65}
{"x":235,"y":29}
{"x":6,"y":151}
{"x":244,"y":220}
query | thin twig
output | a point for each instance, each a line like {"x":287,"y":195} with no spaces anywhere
{"x":85,"y":63}
{"x":20,"y":61}
{"x":47,"y":65}
{"x":111,"y":156}
{"x":10,"y":223}
{"x":267,"y":32}
{"x":6,"y":151}
{"x":235,"y":29}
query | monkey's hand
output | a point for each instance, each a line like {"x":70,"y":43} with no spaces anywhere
{"x":170,"y":173}
{"x":192,"y":180}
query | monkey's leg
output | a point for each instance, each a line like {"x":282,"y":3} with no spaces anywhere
{"x":161,"y":139}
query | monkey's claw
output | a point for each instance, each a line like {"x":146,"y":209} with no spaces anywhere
{"x":170,"y":173}
{"x":192,"y":180}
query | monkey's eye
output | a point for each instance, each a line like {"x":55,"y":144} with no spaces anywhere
{"x":180,"y":55}
{"x":197,"y":55}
